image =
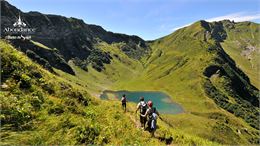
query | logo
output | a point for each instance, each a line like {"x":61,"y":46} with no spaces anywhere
{"x":19,"y":23}
{"x":19,"y":30}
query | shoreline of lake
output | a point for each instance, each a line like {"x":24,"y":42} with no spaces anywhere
{"x":162,"y":101}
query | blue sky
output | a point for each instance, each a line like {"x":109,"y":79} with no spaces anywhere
{"x":149,"y":19}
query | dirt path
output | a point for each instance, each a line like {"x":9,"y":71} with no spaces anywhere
{"x":133,"y":116}
{"x":137,"y":124}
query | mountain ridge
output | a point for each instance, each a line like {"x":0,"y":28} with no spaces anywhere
{"x":71,"y":37}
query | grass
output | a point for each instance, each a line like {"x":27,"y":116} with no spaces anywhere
{"x":40,"y":45}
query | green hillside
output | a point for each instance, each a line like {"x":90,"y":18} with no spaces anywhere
{"x":38,"y":107}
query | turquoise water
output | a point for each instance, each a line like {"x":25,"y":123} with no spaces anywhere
{"x":161,"y":101}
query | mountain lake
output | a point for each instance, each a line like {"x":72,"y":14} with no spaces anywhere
{"x":163,"y":103}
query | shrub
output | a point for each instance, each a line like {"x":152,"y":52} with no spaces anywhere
{"x":49,"y":88}
{"x":77,"y":95}
{"x":241,"y":108}
{"x":87,"y":134}
{"x":25,"y":82}
{"x":16,"y":116}
{"x":56,"y":109}
{"x":36,"y":102}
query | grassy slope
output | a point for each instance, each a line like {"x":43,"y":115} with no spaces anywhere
{"x":38,"y":107}
{"x":246,"y":34}
{"x":176,"y":67}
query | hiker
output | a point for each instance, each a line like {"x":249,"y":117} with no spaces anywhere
{"x":123,"y":100}
{"x":152,"y":115}
{"x":142,"y":106}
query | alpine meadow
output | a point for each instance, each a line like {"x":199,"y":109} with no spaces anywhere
{"x":51,"y":83}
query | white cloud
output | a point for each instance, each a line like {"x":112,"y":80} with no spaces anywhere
{"x":176,"y":28}
{"x":237,"y":17}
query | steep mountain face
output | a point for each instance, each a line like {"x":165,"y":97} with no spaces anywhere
{"x":242,"y":44}
{"x":69,"y":39}
{"x":232,"y":81}
{"x":224,"y":80}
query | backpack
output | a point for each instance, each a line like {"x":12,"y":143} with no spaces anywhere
{"x":123,"y":99}
{"x":153,"y":117}
{"x":143,"y":107}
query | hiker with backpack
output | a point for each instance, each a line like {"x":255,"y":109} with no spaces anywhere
{"x":123,"y":100}
{"x":142,"y":106}
{"x":152,"y":115}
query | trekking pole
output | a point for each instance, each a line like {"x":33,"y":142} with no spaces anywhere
{"x":165,"y":122}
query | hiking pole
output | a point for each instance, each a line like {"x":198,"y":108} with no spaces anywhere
{"x":161,"y":119}
{"x":165,"y":122}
